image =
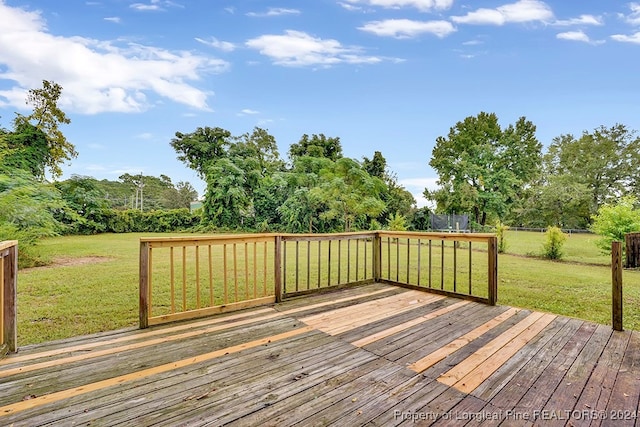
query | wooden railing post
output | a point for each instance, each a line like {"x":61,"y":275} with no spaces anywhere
{"x":492,"y":250}
{"x":377,"y":256}
{"x":632,"y":241}
{"x":277,"y":268}
{"x":9,"y":289}
{"x":616,"y":280}
{"x":144,"y":285}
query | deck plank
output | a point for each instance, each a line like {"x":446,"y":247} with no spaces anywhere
{"x":350,"y":366}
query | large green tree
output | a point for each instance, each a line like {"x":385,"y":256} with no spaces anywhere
{"x":483,"y":168}
{"x":349,"y":192}
{"x":606,"y":161}
{"x":47,"y":117}
{"x":202,"y":147}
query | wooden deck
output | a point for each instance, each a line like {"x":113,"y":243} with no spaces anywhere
{"x":375,"y":355}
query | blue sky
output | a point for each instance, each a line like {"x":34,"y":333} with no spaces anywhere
{"x":386,"y":75}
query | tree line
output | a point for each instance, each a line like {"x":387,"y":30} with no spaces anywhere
{"x":487,"y":171}
{"x":498,"y":174}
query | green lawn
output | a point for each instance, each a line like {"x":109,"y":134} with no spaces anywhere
{"x":63,"y":301}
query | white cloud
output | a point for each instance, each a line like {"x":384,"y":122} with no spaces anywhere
{"x":473,"y":42}
{"x":114,"y":19}
{"x":634,"y":17}
{"x":145,"y":135}
{"x":405,"y":28}
{"x":519,"y":12}
{"x":581,"y":20}
{"x":274,"y":11}
{"x":422,"y":5}
{"x":247,"y":111}
{"x":97,"y":76}
{"x":153,"y":5}
{"x":633,"y":38}
{"x":218,"y":44}
{"x":297,"y":48}
{"x":578,"y":36}
{"x":350,"y":7}
{"x":416,"y":186}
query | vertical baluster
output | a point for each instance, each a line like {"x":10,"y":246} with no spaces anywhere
{"x":225,"y":274}
{"x":184,"y":278}
{"x":255,"y":270}
{"x":470,"y":264}
{"x":329,"y":266}
{"x":197,"y":276}
{"x":172,"y":279}
{"x":442,"y":264}
{"x":210,"y":261}
{"x":319,"y":261}
{"x":235,"y":272}
{"x":297,"y":265}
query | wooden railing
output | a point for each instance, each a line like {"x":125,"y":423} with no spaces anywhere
{"x":455,"y":264}
{"x":316,"y":262}
{"x":188,"y":277}
{"x":8,"y":296}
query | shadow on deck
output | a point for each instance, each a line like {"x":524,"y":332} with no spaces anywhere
{"x":372,"y":355}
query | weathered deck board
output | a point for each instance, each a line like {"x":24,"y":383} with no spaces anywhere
{"x":349,"y":364}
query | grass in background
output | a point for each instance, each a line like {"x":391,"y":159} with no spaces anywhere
{"x":68,"y":300}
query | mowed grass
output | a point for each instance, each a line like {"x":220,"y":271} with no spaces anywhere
{"x":68,"y":300}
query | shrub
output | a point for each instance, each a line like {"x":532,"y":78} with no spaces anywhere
{"x":612,"y":222}
{"x":397,"y":222}
{"x":555,"y":238}
{"x":501,"y":231}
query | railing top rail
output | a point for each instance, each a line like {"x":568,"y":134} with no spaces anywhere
{"x":8,"y":244}
{"x":463,"y":237}
{"x":222,"y":238}
{"x":328,"y":236}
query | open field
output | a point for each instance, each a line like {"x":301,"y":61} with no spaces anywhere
{"x":95,"y":286}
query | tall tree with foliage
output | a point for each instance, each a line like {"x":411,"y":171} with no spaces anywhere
{"x":606,"y":161}
{"x":316,"y":146}
{"x":481,"y":168}
{"x":349,"y":192}
{"x":47,"y":118}
{"x":202,"y":147}
{"x":226,"y":201}
{"x":27,"y":149}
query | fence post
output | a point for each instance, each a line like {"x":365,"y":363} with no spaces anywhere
{"x":10,"y":287}
{"x":377,"y":256}
{"x":277,"y":268}
{"x":632,"y":241}
{"x":492,"y":250}
{"x":616,"y":280}
{"x":144,"y":285}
